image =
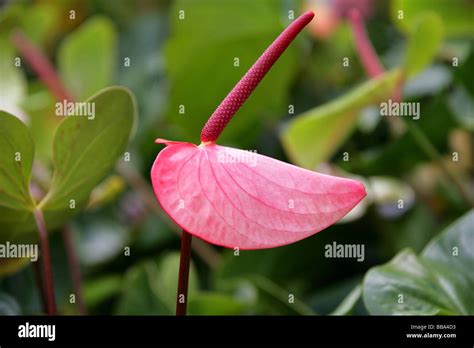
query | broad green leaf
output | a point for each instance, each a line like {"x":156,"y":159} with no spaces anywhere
{"x":312,"y":137}
{"x":424,"y":42}
{"x":201,"y":56}
{"x":85,"y":149}
{"x":87,"y":57}
{"x":456,"y":15}
{"x":150,"y":287}
{"x":439,"y":281}
{"x":215,"y":304}
{"x":452,"y":257}
{"x":16,"y":160}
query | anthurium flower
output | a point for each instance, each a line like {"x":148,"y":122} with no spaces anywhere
{"x":240,"y":199}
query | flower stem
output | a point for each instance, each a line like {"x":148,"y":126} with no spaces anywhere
{"x":366,"y":51}
{"x":74,"y":268}
{"x":40,"y":65}
{"x":183,"y":277}
{"x":47,"y":272}
{"x":40,"y":284}
{"x":239,"y":94}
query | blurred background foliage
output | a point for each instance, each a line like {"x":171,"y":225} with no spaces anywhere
{"x":310,"y":110}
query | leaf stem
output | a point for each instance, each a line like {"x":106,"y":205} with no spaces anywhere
{"x":47,"y":273}
{"x":40,"y":65}
{"x":74,"y":268}
{"x":40,"y":284}
{"x":183,"y":277}
{"x":365,"y":50}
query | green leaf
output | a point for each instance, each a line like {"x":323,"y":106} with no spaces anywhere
{"x":424,"y":42}
{"x":16,"y":160}
{"x":85,"y":150}
{"x":150,"y":287}
{"x":87,"y":57}
{"x":315,"y":135}
{"x":200,"y":63}
{"x":215,"y":304}
{"x":456,"y":15}
{"x":439,"y":281}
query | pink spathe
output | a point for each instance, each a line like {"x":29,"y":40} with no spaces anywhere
{"x":238,"y":199}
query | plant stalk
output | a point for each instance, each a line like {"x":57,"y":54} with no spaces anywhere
{"x":183,"y":277}
{"x":47,"y":270}
{"x":40,"y":284}
{"x":74,"y":268}
{"x":40,"y":65}
{"x":364,"y":47}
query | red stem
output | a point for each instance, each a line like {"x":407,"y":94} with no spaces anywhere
{"x":48,"y":285}
{"x":183,"y":277}
{"x":364,"y":47}
{"x":234,"y":100}
{"x":40,"y":65}
{"x":40,"y":284}
{"x":74,"y":268}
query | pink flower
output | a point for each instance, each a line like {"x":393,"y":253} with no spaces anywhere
{"x":235,"y":198}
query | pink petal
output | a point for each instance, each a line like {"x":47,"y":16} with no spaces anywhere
{"x":236,"y":198}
